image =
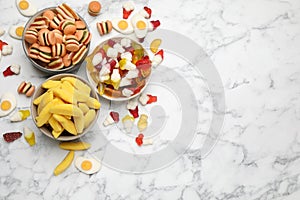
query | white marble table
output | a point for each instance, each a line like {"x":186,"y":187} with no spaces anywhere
{"x":254,"y":47}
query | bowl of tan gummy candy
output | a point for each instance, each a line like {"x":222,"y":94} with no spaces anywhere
{"x":64,"y":107}
{"x":56,"y":40}
{"x":119,"y":68}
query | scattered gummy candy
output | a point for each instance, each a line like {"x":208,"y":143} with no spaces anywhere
{"x":112,"y":118}
{"x":139,"y":139}
{"x":128,"y":123}
{"x":143,"y":122}
{"x":11,"y":136}
{"x":134,"y":112}
{"x":147,"y":99}
{"x":20,"y":115}
{"x":29,"y":136}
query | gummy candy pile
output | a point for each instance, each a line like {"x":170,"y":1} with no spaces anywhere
{"x":121,"y":67}
{"x":133,"y":115}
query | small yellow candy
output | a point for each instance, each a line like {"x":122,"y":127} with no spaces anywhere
{"x":143,"y":122}
{"x":29,"y":136}
{"x":122,"y":63}
{"x":128,"y":123}
{"x":155,"y":45}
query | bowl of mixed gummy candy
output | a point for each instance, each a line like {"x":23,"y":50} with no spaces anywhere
{"x":119,"y":68}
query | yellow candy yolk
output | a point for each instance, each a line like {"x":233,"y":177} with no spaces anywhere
{"x":86,"y":165}
{"x":141,"y":25}
{"x":19,"y":31}
{"x":122,"y":24}
{"x":23,"y":5}
{"x":5,"y":105}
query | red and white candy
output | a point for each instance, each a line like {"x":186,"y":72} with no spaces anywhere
{"x":146,"y":12}
{"x":112,"y":118}
{"x":13,"y":69}
{"x":147,"y":99}
{"x":157,"y":58}
{"x":5,"y":49}
{"x":128,"y":7}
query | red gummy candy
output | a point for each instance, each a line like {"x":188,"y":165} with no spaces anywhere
{"x":148,"y":10}
{"x":139,"y":139}
{"x":144,"y":63}
{"x":112,"y":64}
{"x":137,"y":90}
{"x":161,"y":53}
{"x":115,"y":116}
{"x":8,"y":72}
{"x":12,"y":136}
{"x":111,"y":43}
{"x":155,"y":24}
{"x":151,"y":99}
{"x":2,"y":44}
{"x":134,"y":112}
{"x":126,"y":13}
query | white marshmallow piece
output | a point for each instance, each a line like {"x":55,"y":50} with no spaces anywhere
{"x":16,"y":117}
{"x":7,"y":50}
{"x":125,"y":42}
{"x":97,"y":59}
{"x":125,"y":82}
{"x":108,"y":121}
{"x":105,"y":70}
{"x":126,"y":92}
{"x":134,"y":73}
{"x":128,"y":66}
{"x":157,"y":59}
{"x":148,"y":141}
{"x":115,"y":76}
{"x":104,"y":78}
{"x":128,"y":6}
{"x":143,"y":13}
{"x":126,"y":55}
{"x":112,"y":53}
{"x":144,"y":98}
{"x":119,"y":48}
{"x":132,"y":104}
{"x":15,"y":68}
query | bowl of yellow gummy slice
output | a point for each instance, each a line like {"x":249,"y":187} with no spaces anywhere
{"x":64,"y":107}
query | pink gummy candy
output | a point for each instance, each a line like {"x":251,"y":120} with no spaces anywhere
{"x":114,"y":116}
